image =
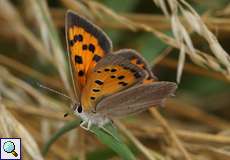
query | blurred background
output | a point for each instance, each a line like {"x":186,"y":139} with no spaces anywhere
{"x":178,"y":44}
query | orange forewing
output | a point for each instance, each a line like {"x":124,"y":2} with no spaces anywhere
{"x":87,"y":45}
{"x":83,"y":52}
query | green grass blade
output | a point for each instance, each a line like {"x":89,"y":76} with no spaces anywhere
{"x":66,"y":128}
{"x":115,"y":144}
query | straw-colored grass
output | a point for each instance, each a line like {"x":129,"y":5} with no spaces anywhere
{"x":187,"y":128}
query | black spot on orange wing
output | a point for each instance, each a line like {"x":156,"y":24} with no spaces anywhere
{"x":84,"y":47}
{"x":113,"y":76}
{"x":96,"y":58}
{"x":78,"y":59}
{"x":99,"y":82}
{"x":71,"y":43}
{"x":123,"y":83}
{"x":113,"y":70}
{"x":96,"y":90}
{"x":121,"y":77}
{"x":91,"y":48}
{"x":81,"y":73}
{"x":78,"y":38}
{"x":92,"y":98}
{"x":107,"y":69}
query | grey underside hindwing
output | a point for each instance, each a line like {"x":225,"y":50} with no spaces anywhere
{"x":135,"y":99}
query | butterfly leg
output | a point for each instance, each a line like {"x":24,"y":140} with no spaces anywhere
{"x":82,"y":125}
{"x":89,"y":125}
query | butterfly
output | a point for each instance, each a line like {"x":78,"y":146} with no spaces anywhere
{"x":108,"y":84}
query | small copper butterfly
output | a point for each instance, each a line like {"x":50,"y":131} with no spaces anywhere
{"x":108,"y":84}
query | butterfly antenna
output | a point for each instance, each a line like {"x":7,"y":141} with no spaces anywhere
{"x":55,"y":91}
{"x":59,"y":93}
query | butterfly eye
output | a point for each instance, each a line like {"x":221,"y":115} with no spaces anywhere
{"x":79,"y":109}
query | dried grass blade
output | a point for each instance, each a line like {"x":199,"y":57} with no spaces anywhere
{"x":13,"y":128}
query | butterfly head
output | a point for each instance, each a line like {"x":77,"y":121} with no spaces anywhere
{"x":77,"y":108}
{"x":95,"y":118}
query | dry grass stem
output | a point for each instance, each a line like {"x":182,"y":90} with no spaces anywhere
{"x":42,"y":99}
{"x":186,"y":135}
{"x":81,"y":8}
{"x":135,"y":141}
{"x":192,"y":69}
{"x":14,"y":23}
{"x":181,"y":34}
{"x":31,"y":51}
{"x":162,"y":56}
{"x":170,"y":132}
{"x":10,"y":126}
{"x":158,"y":22}
{"x":82,"y":145}
{"x":36,"y":111}
{"x":50,"y":34}
{"x":200,"y":58}
{"x":194,"y":113}
{"x":26,"y":70}
{"x":198,"y":26}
